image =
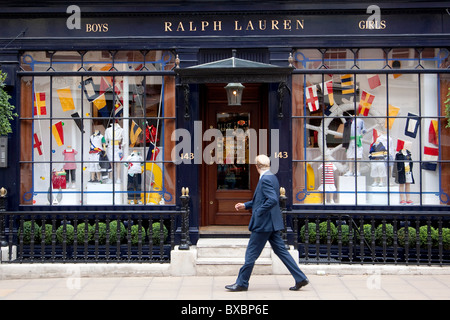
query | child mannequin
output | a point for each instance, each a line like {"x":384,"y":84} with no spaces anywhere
{"x":97,"y":144}
{"x":70,"y":167}
{"x":327,"y":170}
{"x":135,"y":161}
{"x":378,"y":154}
{"x":114,"y":136}
{"x":353,"y":139}
{"x":403,"y":174}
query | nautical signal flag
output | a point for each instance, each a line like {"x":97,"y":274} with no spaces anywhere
{"x":66,"y":99}
{"x":40,"y":108}
{"x":76,"y":117}
{"x":118,"y":90}
{"x":392,"y":113}
{"x":347,"y":84}
{"x":89,"y":89}
{"x":118,"y":110}
{"x":433,"y":135}
{"x":430,"y":158}
{"x":365,"y":103}
{"x":37,"y":144}
{"x":135,"y":131}
{"x":312,"y":100}
{"x":430,"y":154}
{"x":328,"y":91}
{"x":402,"y":144}
{"x":374,"y":81}
{"x":412,"y":125}
{"x":100,"y":104}
{"x":58,"y":133}
{"x":106,"y":82}
{"x":152,"y":153}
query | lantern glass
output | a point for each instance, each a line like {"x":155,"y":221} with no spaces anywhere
{"x":234,"y":93}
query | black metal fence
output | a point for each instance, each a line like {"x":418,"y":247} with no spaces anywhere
{"x":403,"y":237}
{"x":371,"y":237}
{"x":89,"y":236}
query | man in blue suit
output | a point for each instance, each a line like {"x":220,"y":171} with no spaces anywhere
{"x":265,"y":225}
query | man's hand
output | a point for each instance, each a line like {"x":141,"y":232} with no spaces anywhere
{"x":239,"y":206}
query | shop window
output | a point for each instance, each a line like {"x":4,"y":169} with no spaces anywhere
{"x":97,"y":140}
{"x":370,"y":138}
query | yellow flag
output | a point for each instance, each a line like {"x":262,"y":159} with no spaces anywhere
{"x":100,"y":102}
{"x":135,"y":131}
{"x":392,"y":113}
{"x":66,"y":99}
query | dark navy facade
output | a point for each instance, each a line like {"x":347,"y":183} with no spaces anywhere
{"x":276,"y":33}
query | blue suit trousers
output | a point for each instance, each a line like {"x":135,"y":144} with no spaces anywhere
{"x":256,"y":245}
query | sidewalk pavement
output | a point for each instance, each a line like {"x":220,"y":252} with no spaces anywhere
{"x":374,"y":286}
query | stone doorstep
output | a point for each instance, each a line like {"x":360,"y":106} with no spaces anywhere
{"x":187,"y":263}
{"x":226,"y":248}
{"x":216,"y":256}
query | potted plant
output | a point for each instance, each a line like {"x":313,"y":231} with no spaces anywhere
{"x":447,"y":108}
{"x":6,"y":109}
{"x":6,"y":115}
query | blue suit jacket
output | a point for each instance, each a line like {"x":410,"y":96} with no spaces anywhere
{"x":266,"y":214}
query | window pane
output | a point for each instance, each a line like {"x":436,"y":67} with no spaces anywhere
{"x":382,"y":134}
{"x":96,"y":140}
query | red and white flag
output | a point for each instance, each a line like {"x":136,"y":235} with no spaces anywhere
{"x":37,"y":144}
{"x":328,"y":91}
{"x":430,"y":154}
{"x":311,"y":98}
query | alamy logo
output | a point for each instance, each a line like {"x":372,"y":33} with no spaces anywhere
{"x":74,"y":21}
{"x":223,"y":149}
{"x":374,"y":21}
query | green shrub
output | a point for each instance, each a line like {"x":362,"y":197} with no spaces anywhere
{"x":311,"y":233}
{"x":389,"y":229}
{"x":48,"y":234}
{"x":27,"y":232}
{"x":69,"y":234}
{"x":156,"y":233}
{"x":323,"y":232}
{"x":344,"y":234}
{"x":101,"y":233}
{"x":411,"y":236}
{"x":113,"y":232}
{"x":446,"y":238}
{"x":423,"y":234}
{"x":81,"y":233}
{"x":135,"y":234}
{"x":367,"y":228}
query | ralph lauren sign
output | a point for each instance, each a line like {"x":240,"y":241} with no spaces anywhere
{"x":223,"y":25}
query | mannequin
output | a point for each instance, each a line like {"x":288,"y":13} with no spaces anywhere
{"x":114,"y":136}
{"x":70,"y":167}
{"x":403,"y":175}
{"x":328,"y":180}
{"x":97,"y":144}
{"x":353,"y":139}
{"x":135,"y":162}
{"x":378,"y":154}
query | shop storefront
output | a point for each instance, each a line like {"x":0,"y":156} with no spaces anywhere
{"x":121,"y":107}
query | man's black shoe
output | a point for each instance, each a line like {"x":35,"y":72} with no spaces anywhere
{"x":235,"y":287}
{"x":298,"y":285}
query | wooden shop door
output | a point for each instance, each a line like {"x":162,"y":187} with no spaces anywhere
{"x":231,"y":179}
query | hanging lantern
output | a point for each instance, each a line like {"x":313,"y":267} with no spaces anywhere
{"x":234,"y":93}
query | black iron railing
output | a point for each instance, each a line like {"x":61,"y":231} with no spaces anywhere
{"x":90,"y":236}
{"x":408,"y":238}
{"x":368,"y":236}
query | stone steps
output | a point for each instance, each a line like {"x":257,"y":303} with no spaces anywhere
{"x":225,"y":256}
